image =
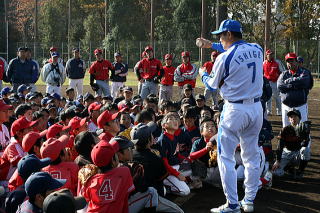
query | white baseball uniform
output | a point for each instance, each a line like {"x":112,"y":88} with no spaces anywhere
{"x":238,"y":74}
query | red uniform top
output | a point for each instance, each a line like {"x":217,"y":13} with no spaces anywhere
{"x":100,"y":69}
{"x":150,"y":68}
{"x":15,"y":181}
{"x":10,"y":158}
{"x":208,"y":65}
{"x":2,"y":68}
{"x":65,"y":170}
{"x":105,"y":136}
{"x":271,"y":70}
{"x":109,"y":192}
{"x":188,"y":70}
{"x":167,"y":79}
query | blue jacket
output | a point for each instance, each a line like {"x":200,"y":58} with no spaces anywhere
{"x":21,"y":73}
{"x":294,"y":88}
{"x":75,"y":68}
{"x":119,"y":74}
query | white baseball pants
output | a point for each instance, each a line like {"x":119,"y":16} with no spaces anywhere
{"x":115,"y":86}
{"x":177,"y":186}
{"x":53,"y":89}
{"x":165,"y":93}
{"x":77,"y":85}
{"x":285,"y":109}
{"x":239,"y":123}
{"x":276,"y":96}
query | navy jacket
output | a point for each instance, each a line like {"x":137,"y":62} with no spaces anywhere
{"x":294,"y":88}
{"x":122,"y":72}
{"x":21,"y":73}
{"x":75,"y":68}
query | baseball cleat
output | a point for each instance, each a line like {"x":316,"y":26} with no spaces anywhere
{"x":247,"y":206}
{"x":225,"y":209}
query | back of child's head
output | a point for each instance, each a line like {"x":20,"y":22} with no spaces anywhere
{"x":36,"y":115}
{"x":22,"y":109}
{"x":109,"y":107}
{"x":190,"y":113}
{"x":167,"y":106}
{"x":84,"y":142}
{"x":144,"y":116}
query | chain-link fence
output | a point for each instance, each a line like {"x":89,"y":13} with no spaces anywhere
{"x":131,"y":51}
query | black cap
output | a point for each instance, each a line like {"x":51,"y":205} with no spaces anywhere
{"x":63,"y":201}
{"x":69,"y":89}
{"x":88,"y":96}
{"x":75,"y":49}
{"x":200,"y":97}
{"x":294,"y":112}
{"x":187,"y":87}
{"x":21,"y":49}
{"x":122,"y":142}
{"x":117,"y":54}
{"x":127,"y":89}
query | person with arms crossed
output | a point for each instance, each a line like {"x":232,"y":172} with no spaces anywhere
{"x":238,"y":74}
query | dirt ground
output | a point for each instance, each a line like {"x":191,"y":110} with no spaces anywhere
{"x":286,"y":194}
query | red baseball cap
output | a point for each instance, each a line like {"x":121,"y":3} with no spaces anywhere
{"x":105,"y":117}
{"x":269,"y":52}
{"x":94,"y":107}
{"x":53,"y":49}
{"x":31,"y":138}
{"x":20,"y":124}
{"x":215,"y":53}
{"x":291,"y":56}
{"x":185,"y":54}
{"x":52,"y":147}
{"x":55,"y":129}
{"x":102,"y":153}
{"x":76,"y":122}
{"x":4,"y":106}
{"x":148,"y":48}
{"x":97,"y":51}
{"x":168,"y":57}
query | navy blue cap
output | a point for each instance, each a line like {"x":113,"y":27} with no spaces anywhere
{"x":56,"y":96}
{"x":22,"y":88}
{"x":75,"y":49}
{"x":228,"y":25}
{"x":300,"y":59}
{"x":55,"y":54}
{"x":30,"y":164}
{"x":45,"y":100}
{"x":21,"y":49}
{"x":41,"y":182}
{"x":6,"y":90}
{"x":88,"y":96}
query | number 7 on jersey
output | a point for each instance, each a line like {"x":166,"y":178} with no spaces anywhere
{"x":253,"y":64}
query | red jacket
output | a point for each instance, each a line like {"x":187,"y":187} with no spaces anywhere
{"x":189,"y":72}
{"x":3,"y":66}
{"x":150,"y":68}
{"x":271,"y":70}
{"x":208,"y":65}
{"x":167,"y":79}
{"x":100,"y":69}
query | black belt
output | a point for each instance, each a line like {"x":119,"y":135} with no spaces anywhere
{"x":255,"y":100}
{"x":148,"y":79}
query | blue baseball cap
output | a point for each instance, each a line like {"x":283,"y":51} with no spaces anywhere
{"x":30,"y":164}
{"x":55,"y":54}
{"x":228,"y":25}
{"x":41,"y":182}
{"x":6,"y":91}
{"x":56,"y":96}
{"x":22,"y":88}
{"x":300,"y":59}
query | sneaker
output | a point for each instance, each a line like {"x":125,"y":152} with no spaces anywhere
{"x":195,"y":184}
{"x":226,"y":209}
{"x":247,"y":206}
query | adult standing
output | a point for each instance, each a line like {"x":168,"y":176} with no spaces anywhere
{"x":186,"y":73}
{"x":151,"y":74}
{"x":53,"y":74}
{"x":294,"y":85}
{"x":99,"y":71}
{"x":238,"y":74}
{"x":118,"y":75}
{"x":35,"y":69}
{"x":3,"y":69}
{"x":75,"y":70}
{"x":19,"y":70}
{"x":209,"y":93}
{"x":271,"y":71}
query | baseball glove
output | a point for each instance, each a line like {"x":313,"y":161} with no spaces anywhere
{"x":87,"y":172}
{"x":288,"y":134}
{"x":94,"y":87}
{"x":213,"y":157}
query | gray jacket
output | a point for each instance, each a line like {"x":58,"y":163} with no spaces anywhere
{"x":53,"y":75}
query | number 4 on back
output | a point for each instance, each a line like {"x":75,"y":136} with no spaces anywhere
{"x":105,"y":190}
{"x":253,"y":64}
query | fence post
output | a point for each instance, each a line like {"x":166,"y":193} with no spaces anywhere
{"x":127,"y":54}
{"x":318,"y":58}
{"x":62,"y":51}
{"x":90,"y":53}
